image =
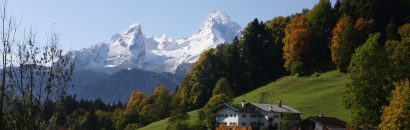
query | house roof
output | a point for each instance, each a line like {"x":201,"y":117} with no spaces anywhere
{"x":328,"y":121}
{"x":238,"y":107}
{"x":276,"y":108}
{"x":256,"y":107}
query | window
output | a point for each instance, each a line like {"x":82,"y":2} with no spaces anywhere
{"x":226,"y":115}
{"x":253,"y":123}
{"x":230,"y":115}
{"x":243,"y":124}
{"x":253,"y":115}
{"x":275,"y":116}
{"x":230,"y":123}
{"x":260,"y":116}
{"x":275,"y":124}
{"x":244,"y":116}
{"x":262,"y":124}
{"x":234,"y":115}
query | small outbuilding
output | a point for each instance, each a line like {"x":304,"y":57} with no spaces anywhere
{"x":323,"y":123}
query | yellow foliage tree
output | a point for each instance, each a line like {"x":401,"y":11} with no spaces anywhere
{"x":396,"y":116}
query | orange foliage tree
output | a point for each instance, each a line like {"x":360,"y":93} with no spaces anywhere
{"x":296,"y":41}
{"x":347,"y":35}
{"x":336,"y":39}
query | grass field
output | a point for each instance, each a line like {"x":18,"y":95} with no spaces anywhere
{"x":310,"y":95}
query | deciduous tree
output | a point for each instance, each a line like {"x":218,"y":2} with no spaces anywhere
{"x":367,"y":85}
{"x":223,"y":86}
{"x":296,"y":46}
{"x":396,"y":116}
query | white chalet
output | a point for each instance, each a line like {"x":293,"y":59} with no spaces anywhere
{"x":253,"y":114}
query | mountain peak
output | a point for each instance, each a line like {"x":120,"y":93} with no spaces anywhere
{"x":219,"y":17}
{"x":217,"y":28}
{"x":134,"y":28}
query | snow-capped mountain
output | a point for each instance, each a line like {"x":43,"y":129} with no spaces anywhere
{"x":132,"y":49}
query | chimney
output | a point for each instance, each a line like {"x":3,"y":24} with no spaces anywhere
{"x":270,"y":108}
{"x":280,"y":103}
{"x":243,"y":103}
{"x":321,"y":115}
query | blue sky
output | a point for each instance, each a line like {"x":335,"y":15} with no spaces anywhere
{"x":82,"y":23}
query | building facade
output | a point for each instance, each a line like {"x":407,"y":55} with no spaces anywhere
{"x":254,"y":115}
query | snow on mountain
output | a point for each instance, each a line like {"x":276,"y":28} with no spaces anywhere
{"x":131,"y":49}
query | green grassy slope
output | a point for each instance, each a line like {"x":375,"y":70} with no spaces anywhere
{"x":310,"y":95}
{"x":162,"y":124}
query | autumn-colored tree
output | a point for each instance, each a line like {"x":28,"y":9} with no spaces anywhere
{"x":157,"y":106}
{"x":336,"y":40}
{"x":135,"y":101}
{"x":347,"y":36}
{"x":296,"y":44}
{"x":344,"y":42}
{"x":396,"y":116}
{"x":307,"y":40}
{"x":363,"y":24}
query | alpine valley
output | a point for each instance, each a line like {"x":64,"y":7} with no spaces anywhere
{"x":132,"y":61}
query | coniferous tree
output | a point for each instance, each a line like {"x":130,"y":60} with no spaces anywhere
{"x":276,"y":28}
{"x":321,"y":20}
{"x":251,"y":45}
{"x":233,"y":65}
